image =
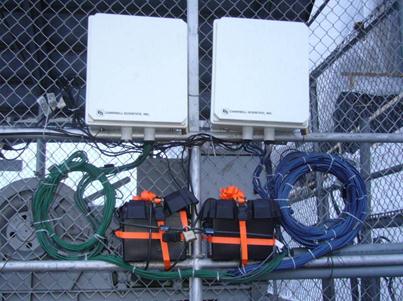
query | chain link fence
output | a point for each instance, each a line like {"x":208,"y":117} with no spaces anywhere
{"x":356,"y":80}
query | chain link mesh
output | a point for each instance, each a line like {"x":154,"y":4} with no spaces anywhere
{"x":356,"y":86}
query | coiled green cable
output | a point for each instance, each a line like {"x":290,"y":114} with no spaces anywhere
{"x":91,"y":249}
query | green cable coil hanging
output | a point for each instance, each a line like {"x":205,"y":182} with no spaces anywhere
{"x":91,"y":249}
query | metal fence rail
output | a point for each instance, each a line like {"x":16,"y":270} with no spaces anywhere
{"x":356,"y":80}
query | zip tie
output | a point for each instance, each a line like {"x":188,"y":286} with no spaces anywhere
{"x":331,"y":163}
{"x":362,"y":197}
{"x":281,"y":200}
{"x":280,"y":174}
{"x":243,"y":269}
{"x":98,"y":237}
{"x":66,"y":166}
{"x":313,"y":255}
{"x":218,"y":276}
{"x":133,"y":269}
{"x":293,"y":261}
{"x":48,"y":220}
{"x":86,"y":256}
{"x":335,"y":234}
{"x":99,"y":176}
{"x":330,"y":245}
{"x":48,"y":184}
{"x":193,"y":272}
{"x":352,"y":177}
{"x":180,"y":274}
{"x":47,"y":232}
{"x":309,"y":166}
{"x":285,"y":207}
{"x":353,"y":216}
{"x":58,"y":169}
{"x":292,"y":186}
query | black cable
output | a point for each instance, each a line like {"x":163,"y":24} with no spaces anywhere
{"x":149,"y":239}
{"x":170,"y":171}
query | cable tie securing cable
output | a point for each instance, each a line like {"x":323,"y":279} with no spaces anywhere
{"x":353,"y":216}
{"x":48,"y":184}
{"x":101,"y":174}
{"x":244,"y":270}
{"x":58,"y":169}
{"x":218,"y":276}
{"x":281,"y":200}
{"x":66,"y":166}
{"x":133,"y":269}
{"x":309,"y":166}
{"x":331,"y":163}
{"x":99,"y":237}
{"x":293,"y":261}
{"x":335,"y":234}
{"x":86,"y":256}
{"x":292,"y":186}
{"x":330,"y":245}
{"x":313,"y":255}
{"x":180,"y":274}
{"x":352,"y":177}
{"x":47,"y":220}
{"x":285,"y":207}
{"x":193,"y":272}
{"x":42,"y":230}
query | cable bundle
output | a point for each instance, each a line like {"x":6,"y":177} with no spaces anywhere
{"x":91,"y":249}
{"x":53,"y":244}
{"x":320,"y":239}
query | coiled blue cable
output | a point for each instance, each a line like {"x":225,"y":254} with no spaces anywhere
{"x":319,"y":239}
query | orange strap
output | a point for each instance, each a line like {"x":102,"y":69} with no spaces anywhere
{"x":164,"y":248}
{"x":137,"y":235}
{"x":244,"y":242}
{"x":184,"y":219}
{"x":234,"y":193}
{"x":236,"y":240}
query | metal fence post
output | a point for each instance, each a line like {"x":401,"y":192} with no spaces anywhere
{"x":193,"y":78}
{"x":370,"y":287}
{"x":328,"y":287}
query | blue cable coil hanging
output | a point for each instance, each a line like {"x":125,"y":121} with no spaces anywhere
{"x":320,"y":239}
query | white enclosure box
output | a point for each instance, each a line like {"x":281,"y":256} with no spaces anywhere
{"x":136,"y":72}
{"x":260,"y":74}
